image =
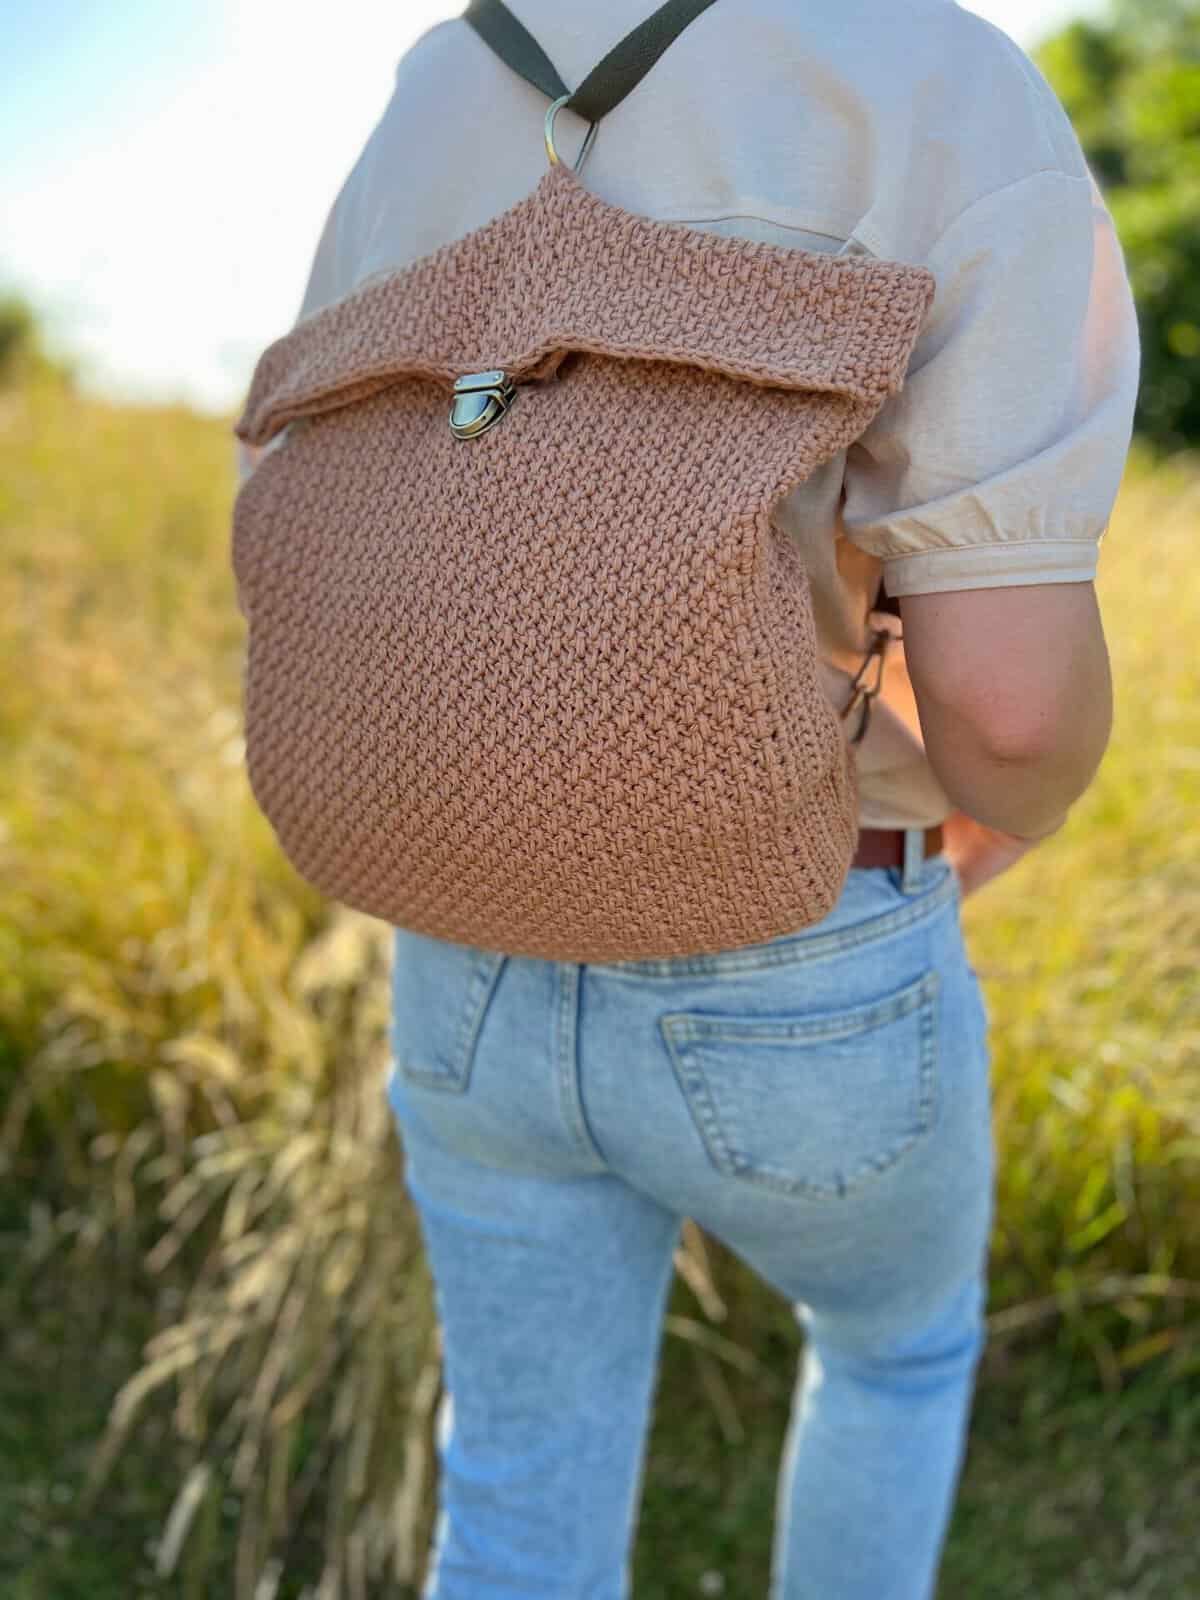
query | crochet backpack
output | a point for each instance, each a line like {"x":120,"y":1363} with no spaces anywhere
{"x":529,"y":665}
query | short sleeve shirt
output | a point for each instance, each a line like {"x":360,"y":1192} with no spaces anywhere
{"x":907,"y":130}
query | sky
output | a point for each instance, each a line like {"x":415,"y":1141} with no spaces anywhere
{"x":140,"y":210}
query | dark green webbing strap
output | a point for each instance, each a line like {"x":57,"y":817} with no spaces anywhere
{"x":621,"y":70}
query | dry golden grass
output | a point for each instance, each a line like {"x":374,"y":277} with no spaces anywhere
{"x":192,"y":1046}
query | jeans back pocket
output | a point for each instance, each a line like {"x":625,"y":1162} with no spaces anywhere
{"x":811,"y":1105}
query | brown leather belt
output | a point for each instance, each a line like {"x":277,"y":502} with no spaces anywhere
{"x":884,"y":847}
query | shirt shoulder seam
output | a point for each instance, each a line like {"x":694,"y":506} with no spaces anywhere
{"x":876,"y":244}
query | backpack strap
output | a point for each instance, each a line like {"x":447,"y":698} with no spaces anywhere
{"x":621,"y":70}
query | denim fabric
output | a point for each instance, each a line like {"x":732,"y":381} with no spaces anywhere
{"x":821,"y":1104}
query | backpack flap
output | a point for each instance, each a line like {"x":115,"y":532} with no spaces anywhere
{"x":565,"y":271}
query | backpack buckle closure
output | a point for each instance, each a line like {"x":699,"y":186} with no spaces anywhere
{"x":480,"y":400}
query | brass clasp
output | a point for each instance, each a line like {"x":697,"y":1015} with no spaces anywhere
{"x":480,"y":400}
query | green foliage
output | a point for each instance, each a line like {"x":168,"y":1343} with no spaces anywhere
{"x":17,"y":335}
{"x":22,"y":353}
{"x":1163,"y":26}
{"x":1131,"y":87}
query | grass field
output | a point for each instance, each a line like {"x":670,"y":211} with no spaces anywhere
{"x":200,"y":1218}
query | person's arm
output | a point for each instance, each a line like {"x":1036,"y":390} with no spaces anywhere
{"x":1014,"y":693}
{"x":985,"y":487}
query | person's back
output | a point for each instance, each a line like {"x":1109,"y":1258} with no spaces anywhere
{"x":820,"y":1101}
{"x":917,"y":133}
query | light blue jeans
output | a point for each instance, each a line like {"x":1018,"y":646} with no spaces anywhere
{"x":821,"y":1104}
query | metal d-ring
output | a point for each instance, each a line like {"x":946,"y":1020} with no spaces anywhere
{"x":864,"y":693}
{"x":555,"y":107}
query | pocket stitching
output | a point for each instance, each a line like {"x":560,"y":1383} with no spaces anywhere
{"x":452,"y":1074}
{"x":924,"y":995}
{"x":837,"y":1025}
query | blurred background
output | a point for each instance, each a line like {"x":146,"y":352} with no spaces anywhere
{"x":219,"y":1360}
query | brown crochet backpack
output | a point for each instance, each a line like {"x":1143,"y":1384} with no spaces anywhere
{"x":529,"y":665}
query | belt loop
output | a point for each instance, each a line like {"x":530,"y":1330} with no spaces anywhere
{"x":914,"y":859}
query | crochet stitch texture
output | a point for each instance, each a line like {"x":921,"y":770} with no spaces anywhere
{"x":553,"y":691}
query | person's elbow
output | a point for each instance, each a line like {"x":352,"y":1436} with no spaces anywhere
{"x":1070,"y":720}
{"x":1014,"y":691}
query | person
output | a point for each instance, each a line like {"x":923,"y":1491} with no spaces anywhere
{"x":821,"y":1102}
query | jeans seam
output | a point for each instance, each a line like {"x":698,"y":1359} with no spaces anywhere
{"x":566,"y":1057}
{"x":801,"y":951}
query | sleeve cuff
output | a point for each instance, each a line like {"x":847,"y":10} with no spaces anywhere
{"x":993,"y":566}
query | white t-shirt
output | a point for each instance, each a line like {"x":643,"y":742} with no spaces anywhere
{"x":910,"y":130}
